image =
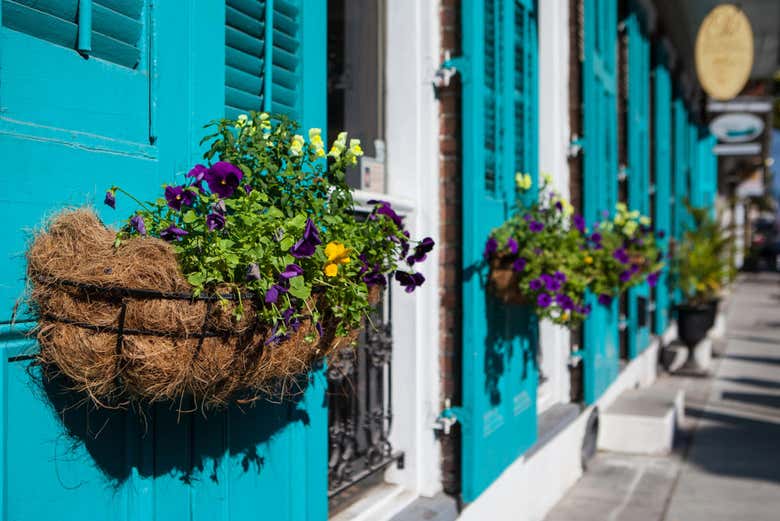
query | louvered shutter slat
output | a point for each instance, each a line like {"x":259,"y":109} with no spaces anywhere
{"x":250,"y":83}
{"x":242,"y":100}
{"x":253,"y":8}
{"x":112,"y":50}
{"x":242,"y":61}
{"x":40,"y":24}
{"x":284,"y":77}
{"x":244,"y":42}
{"x":245,"y":33}
{"x":243,"y":22}
{"x":64,"y":9}
{"x":116,"y":25}
{"x":130,"y":8}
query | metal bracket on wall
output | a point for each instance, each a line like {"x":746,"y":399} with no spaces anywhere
{"x":447,"y":418}
{"x":575,"y":146}
{"x":448,"y":69}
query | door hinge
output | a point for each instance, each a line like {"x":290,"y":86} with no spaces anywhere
{"x":447,"y":418}
{"x":575,"y":146}
{"x":448,"y":69}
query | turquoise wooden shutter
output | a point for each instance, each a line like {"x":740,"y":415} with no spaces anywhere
{"x":663,"y":173}
{"x":638,"y":160}
{"x":600,"y":350}
{"x":680,"y":167}
{"x":499,"y":122}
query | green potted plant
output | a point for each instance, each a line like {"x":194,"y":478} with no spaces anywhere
{"x":701,"y":267}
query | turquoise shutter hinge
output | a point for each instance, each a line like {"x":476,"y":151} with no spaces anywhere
{"x":447,"y":418}
{"x":449,"y":68}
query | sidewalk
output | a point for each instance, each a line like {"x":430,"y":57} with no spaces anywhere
{"x":726,"y":465}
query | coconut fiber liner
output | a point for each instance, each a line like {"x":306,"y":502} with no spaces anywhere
{"x":123,"y":326}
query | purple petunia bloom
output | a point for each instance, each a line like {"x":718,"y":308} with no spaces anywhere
{"x":273,"y":293}
{"x":511,"y":243}
{"x":291,"y":271}
{"x":605,"y":300}
{"x":550,"y":282}
{"x":634,"y":268}
{"x":579,"y":223}
{"x":137,"y":222}
{"x":543,"y":300}
{"x":559,"y":276}
{"x":652,"y":279}
{"x":527,"y":217}
{"x":410,"y":281}
{"x":307,"y":244}
{"x":564,"y":301}
{"x":535,"y":226}
{"x":519,"y":264}
{"x":490,"y":247}
{"x":595,"y":237}
{"x":535,"y":284}
{"x":178,"y":196}
{"x":215,"y":221}
{"x":172,"y":233}
{"x":253,"y":272}
{"x":621,"y":255}
{"x":110,"y":199}
{"x":223,"y":178}
{"x":625,"y":276}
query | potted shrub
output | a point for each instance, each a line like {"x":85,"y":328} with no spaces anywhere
{"x":701,"y":268}
{"x":229,"y":286}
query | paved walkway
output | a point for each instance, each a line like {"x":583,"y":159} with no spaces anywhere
{"x":726,"y":465}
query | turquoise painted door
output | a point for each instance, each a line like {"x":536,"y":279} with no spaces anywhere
{"x":638,"y":124}
{"x":121,"y":98}
{"x":499,"y":121}
{"x":680,"y":170}
{"x":601,"y":351}
{"x":663,"y":172}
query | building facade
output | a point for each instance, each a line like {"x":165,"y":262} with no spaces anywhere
{"x":450,"y":402}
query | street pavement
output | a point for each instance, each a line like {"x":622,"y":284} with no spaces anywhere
{"x":726,"y":463}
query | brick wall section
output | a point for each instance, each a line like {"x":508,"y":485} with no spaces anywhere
{"x":450,"y":245}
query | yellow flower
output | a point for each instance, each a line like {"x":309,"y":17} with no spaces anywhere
{"x":547,"y":178}
{"x":644,"y":220}
{"x":568,"y":208}
{"x":621,"y":208}
{"x":588,"y":260}
{"x":315,"y":137}
{"x":297,"y":145}
{"x":241,"y":120}
{"x":634,"y":214}
{"x":336,"y":254}
{"x":354,"y":147}
{"x":620,"y":220}
{"x":565,"y":315}
{"x":523,"y":181}
{"x":630,"y":228}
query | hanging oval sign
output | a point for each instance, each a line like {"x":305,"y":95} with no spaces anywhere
{"x":737,"y":128}
{"x":724,"y":52}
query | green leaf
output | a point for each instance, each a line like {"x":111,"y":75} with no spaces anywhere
{"x":189,"y":217}
{"x":196,"y":279}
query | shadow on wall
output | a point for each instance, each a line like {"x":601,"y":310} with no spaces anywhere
{"x":730,"y":445}
{"x":158,"y":440}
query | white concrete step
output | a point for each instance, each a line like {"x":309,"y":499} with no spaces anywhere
{"x":642,"y":421}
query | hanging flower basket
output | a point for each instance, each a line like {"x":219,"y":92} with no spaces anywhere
{"x":220,"y":294}
{"x":504,"y":281}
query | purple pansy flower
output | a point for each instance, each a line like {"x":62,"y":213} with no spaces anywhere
{"x":291,"y":271}
{"x":253,"y":272}
{"x":223,"y":178}
{"x":519,"y":264}
{"x":605,"y":300}
{"x":621,"y":255}
{"x":178,"y":196}
{"x":215,"y":221}
{"x":625,"y":276}
{"x":535,"y":284}
{"x":490,"y":247}
{"x":410,"y":281}
{"x":110,"y":199}
{"x":137,"y":222}
{"x":273,"y":293}
{"x":558,"y":205}
{"x":421,"y":251}
{"x":543,"y":300}
{"x":374,"y":278}
{"x":511,"y":243}
{"x":248,"y":189}
{"x":579,"y":223}
{"x":652,"y":279}
{"x":536,"y":226}
{"x":384,"y":208}
{"x":307,"y":244}
{"x":198,"y":173}
{"x":172,"y":232}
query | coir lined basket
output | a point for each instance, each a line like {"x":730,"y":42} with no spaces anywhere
{"x":123,"y":324}
{"x":503,"y":281}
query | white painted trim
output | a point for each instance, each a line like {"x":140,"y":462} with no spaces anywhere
{"x":554,"y":138}
{"x":412,"y":131}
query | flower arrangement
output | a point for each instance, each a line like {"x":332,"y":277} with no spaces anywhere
{"x":275,"y":216}
{"x":623,"y":254}
{"x":229,"y":286}
{"x":536,"y":257}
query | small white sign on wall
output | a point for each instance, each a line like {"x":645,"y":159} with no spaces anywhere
{"x":372,"y":175}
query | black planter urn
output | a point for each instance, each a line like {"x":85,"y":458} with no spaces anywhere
{"x":694,"y":321}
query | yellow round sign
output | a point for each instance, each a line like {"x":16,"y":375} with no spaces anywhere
{"x":724,"y":52}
